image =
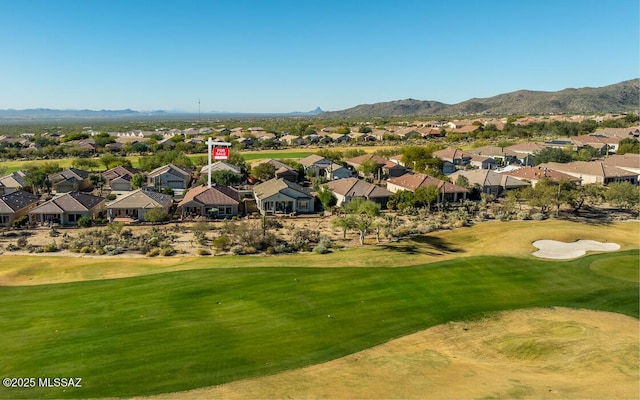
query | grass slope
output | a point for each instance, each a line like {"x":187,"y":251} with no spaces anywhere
{"x":175,"y":331}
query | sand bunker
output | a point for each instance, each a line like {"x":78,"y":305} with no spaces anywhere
{"x":560,"y":251}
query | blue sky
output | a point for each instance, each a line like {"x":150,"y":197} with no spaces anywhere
{"x":281,"y":56}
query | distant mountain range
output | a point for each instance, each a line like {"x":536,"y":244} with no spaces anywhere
{"x":620,"y":97}
{"x":48,"y":114}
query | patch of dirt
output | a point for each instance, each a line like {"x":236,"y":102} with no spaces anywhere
{"x":556,"y":353}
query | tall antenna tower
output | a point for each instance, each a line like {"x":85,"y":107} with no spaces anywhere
{"x":198,"y":109}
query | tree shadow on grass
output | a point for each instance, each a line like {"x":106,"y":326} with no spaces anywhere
{"x":423,"y":244}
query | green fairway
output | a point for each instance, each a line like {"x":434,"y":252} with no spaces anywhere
{"x":175,"y":331}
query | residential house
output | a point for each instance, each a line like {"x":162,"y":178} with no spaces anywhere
{"x":293,"y":140}
{"x":283,"y":196}
{"x":282,"y":170}
{"x":67,"y":209}
{"x":593,"y":172}
{"x":222,"y":166}
{"x":622,"y":133}
{"x":13,"y":182}
{"x":603,"y":143}
{"x":339,"y":137}
{"x":455,"y":156}
{"x":14,"y":205}
{"x":348,"y":189}
{"x":134,"y":205}
{"x":482,"y":162}
{"x":448,"y":191}
{"x":489,"y":181}
{"x":216,"y":201}
{"x":536,"y":174}
{"x":119,"y":178}
{"x":170,"y":176}
{"x":525,"y":151}
{"x":324,"y":167}
{"x":629,"y":162}
{"x":69,"y":180}
{"x":386,"y":167}
{"x":499,"y":154}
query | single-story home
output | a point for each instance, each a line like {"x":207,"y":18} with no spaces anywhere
{"x":134,"y":205}
{"x":16,"y":204}
{"x":170,"y":176}
{"x":70,"y":180}
{"x":216,"y":201}
{"x":489,"y":181}
{"x":67,"y":209}
{"x":348,"y":189}
{"x":119,"y":178}
{"x":283,"y":196}
{"x":448,"y":191}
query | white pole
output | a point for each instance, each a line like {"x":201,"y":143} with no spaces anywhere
{"x":209,"y":144}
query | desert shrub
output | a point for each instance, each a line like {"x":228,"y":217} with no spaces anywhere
{"x":249,"y":250}
{"x":50,"y":247}
{"x":538,"y":216}
{"x":22,"y":242}
{"x":221,"y":243}
{"x":153,"y":252}
{"x":281,"y":248}
{"x":523,"y":215}
{"x":21,"y":221}
{"x":166,"y":251}
{"x":84,"y":222}
{"x":323,"y":246}
{"x":270,"y":250}
{"x":237,"y":250}
{"x":111,"y":196}
{"x":54,"y":232}
{"x":86,"y":250}
{"x":12,"y":247}
{"x":156,"y":215}
{"x":203,"y":252}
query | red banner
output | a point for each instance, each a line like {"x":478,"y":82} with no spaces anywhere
{"x":220,"y":153}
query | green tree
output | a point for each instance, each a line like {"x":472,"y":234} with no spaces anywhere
{"x":263,"y":171}
{"x":363,"y":214}
{"x":628,"y":145}
{"x":156,"y":215}
{"x":327,"y":198}
{"x":369,"y":168}
{"x":35,"y":179}
{"x":623,"y":194}
{"x":551,"y":154}
{"x":84,"y":163}
{"x":137,"y":181}
{"x":427,"y":195}
{"x":225,"y":178}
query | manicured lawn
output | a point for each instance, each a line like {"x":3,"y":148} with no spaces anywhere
{"x":174,"y":331}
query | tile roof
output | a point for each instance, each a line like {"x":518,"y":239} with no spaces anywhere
{"x":15,"y":201}
{"x":537,"y":173}
{"x":171,"y":169}
{"x":213,"y":195}
{"x":355,"y":187}
{"x":623,"y":160}
{"x":487,"y":177}
{"x":142,"y":198}
{"x":595,"y":168}
{"x":68,"y":202}
{"x":413,"y":181}
{"x":274,"y":186}
{"x":14,"y":180}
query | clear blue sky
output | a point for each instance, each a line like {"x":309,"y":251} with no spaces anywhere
{"x":281,"y":56}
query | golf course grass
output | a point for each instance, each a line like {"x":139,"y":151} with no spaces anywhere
{"x":174,"y":331}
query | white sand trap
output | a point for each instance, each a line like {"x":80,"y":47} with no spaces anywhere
{"x":560,"y":251}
